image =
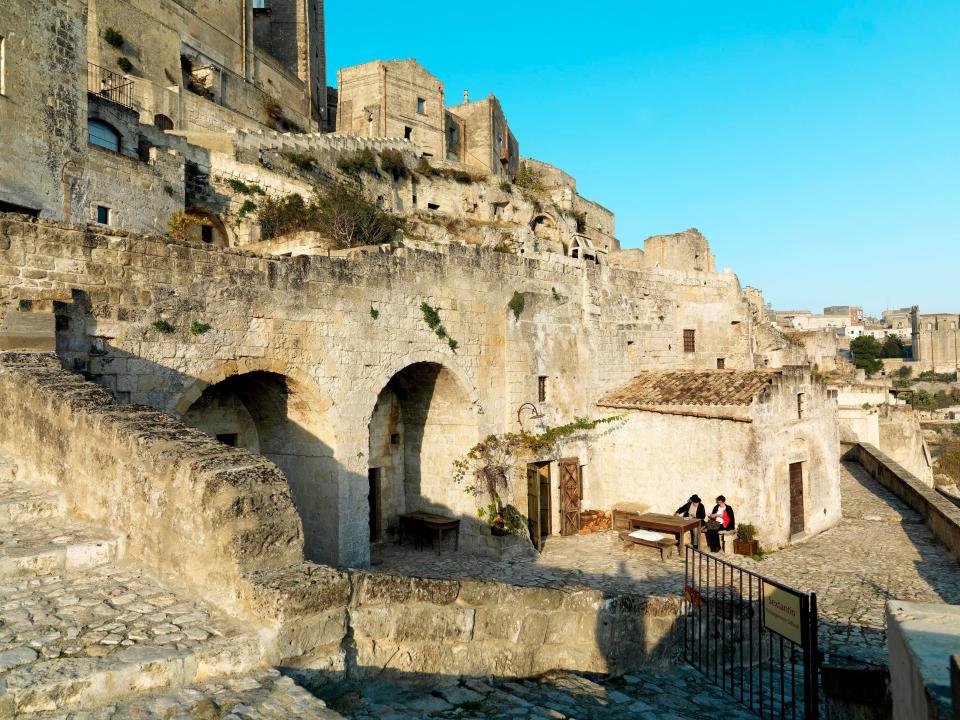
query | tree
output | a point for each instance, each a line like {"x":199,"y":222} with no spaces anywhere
{"x":892,"y":347}
{"x":866,"y":351}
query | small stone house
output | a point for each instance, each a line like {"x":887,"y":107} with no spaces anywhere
{"x":766,"y":439}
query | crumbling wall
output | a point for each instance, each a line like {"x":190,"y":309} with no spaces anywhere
{"x":901,"y":437}
{"x":180,"y":502}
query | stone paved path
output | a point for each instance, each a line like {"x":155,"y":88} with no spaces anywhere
{"x":880,"y":550}
{"x":679,"y":694}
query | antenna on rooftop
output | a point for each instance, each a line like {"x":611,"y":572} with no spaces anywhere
{"x":466,"y":96}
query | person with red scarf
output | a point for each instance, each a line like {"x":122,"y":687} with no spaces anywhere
{"x":722,"y":519}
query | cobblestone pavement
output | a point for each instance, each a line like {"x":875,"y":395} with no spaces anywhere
{"x":880,"y":550}
{"x":258,"y":696}
{"x":674,"y":695}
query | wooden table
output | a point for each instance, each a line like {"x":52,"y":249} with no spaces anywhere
{"x":678,"y":526}
{"x":423,"y":522}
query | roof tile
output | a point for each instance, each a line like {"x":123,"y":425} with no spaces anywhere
{"x":690,"y":387}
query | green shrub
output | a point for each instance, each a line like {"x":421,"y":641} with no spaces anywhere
{"x":286,"y":214}
{"x":362,"y":162}
{"x":124,"y":64}
{"x":350,"y":220}
{"x":113,"y":37}
{"x":374,"y":313}
{"x":300,"y":160}
{"x":516,"y":304}
{"x":241,"y":188}
{"x":506,"y":187}
{"x":198,"y":328}
{"x":530,"y":179}
{"x":393,"y":163}
{"x":249,"y":206}
{"x":427,"y":170}
{"x":162,"y":326}
{"x":904,"y":371}
{"x":746,"y":532}
{"x":556,"y":296}
{"x":866,"y":351}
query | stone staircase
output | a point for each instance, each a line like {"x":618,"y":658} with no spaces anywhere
{"x":85,"y":635}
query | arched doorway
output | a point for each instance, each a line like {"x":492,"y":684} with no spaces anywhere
{"x":273,"y":415}
{"x":211,"y":232}
{"x":421,"y":423}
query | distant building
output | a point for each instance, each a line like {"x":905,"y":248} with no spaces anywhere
{"x":936,"y":340}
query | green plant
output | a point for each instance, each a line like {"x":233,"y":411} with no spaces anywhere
{"x":427,"y":170}
{"x":556,"y":296}
{"x":242,"y":188}
{"x":248,"y":207}
{"x":124,"y":64}
{"x":892,"y":347}
{"x":904,"y":372}
{"x":746,"y":532}
{"x":286,"y":214}
{"x":198,"y":328}
{"x":301,"y":160}
{"x":490,"y":463}
{"x":866,"y":351}
{"x":866,"y":406}
{"x":795,"y":339}
{"x":362,"y":162}
{"x":432,"y":318}
{"x":181,"y":222}
{"x":275,"y":117}
{"x":516,"y":304}
{"x":162,"y":326}
{"x":168,"y":189}
{"x":350,"y":220}
{"x":530,"y":179}
{"x":113,"y":37}
{"x":452,"y":344}
{"x":393,"y":163}
{"x":506,"y":187}
{"x":760,"y":556}
{"x":956,"y":428}
{"x":374,"y":313}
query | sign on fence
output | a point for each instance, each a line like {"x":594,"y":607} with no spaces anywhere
{"x":781,"y":613}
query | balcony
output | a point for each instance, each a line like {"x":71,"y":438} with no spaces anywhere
{"x":109,"y":85}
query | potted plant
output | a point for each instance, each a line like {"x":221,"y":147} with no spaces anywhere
{"x":746,"y":542}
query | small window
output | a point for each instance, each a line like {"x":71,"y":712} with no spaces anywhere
{"x":103,"y":215}
{"x":432,"y":206}
{"x":228,"y":439}
{"x":3,"y":65}
{"x":833,"y":394}
{"x":395,"y":438}
{"x":407,"y":132}
{"x":421,"y":106}
{"x":542,"y":388}
{"x":259,"y":4}
{"x":102,"y":135}
{"x":689,"y":341}
{"x":206,"y":233}
{"x":801,"y":405}
{"x":721,"y":364}
{"x":162,"y":122}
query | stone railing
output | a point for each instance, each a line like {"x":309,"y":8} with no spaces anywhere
{"x":179,"y":501}
{"x":940,"y":514}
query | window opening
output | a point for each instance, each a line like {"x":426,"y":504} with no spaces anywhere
{"x":103,"y":215}
{"x":228,"y":439}
{"x":421,"y":106}
{"x":542,"y":388}
{"x":689,"y":341}
{"x":206,"y":233}
{"x":801,"y":405}
{"x":407,"y":132}
{"x":102,"y":135}
{"x":721,"y":364}
{"x":3,"y":65}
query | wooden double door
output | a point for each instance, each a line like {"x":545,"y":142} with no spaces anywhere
{"x":540,"y":499}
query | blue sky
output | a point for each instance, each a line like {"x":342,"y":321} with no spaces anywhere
{"x":816,"y":144}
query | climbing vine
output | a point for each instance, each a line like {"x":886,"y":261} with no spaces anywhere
{"x":516,"y":304}
{"x":432,"y":318}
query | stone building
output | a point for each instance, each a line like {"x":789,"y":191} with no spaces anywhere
{"x":936,"y":343}
{"x":765,"y":439}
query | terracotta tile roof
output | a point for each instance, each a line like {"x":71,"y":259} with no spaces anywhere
{"x":657,"y":388}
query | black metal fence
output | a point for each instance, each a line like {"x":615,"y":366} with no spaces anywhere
{"x":109,"y":85}
{"x":753,"y":637}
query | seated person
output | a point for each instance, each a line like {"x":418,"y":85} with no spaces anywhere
{"x":720,"y":519}
{"x":693,"y":508}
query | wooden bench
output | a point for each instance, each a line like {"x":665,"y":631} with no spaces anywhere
{"x":663,"y":545}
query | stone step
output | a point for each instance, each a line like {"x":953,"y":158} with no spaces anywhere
{"x":265,"y":695}
{"x":36,"y":547}
{"x":92,"y":639}
{"x":21,"y":503}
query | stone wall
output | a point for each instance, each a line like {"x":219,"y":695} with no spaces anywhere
{"x":586,"y":328}
{"x":936,"y":341}
{"x":940,"y":514}
{"x":334,"y":623}
{"x":179,"y":501}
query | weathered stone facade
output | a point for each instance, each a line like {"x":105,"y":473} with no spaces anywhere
{"x":936,"y":341}
{"x":296,"y":343}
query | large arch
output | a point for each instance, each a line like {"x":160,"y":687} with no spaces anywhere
{"x":424,"y":419}
{"x":283,"y":420}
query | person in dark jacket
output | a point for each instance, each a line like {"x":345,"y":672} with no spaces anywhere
{"x":693,"y":508}
{"x":721,"y":518}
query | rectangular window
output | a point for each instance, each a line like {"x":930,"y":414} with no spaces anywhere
{"x":689,"y":341}
{"x":542,"y":388}
{"x":3,"y":65}
{"x":228,"y":439}
{"x":407,"y":132}
{"x":103,"y":215}
{"x":801,"y":405}
{"x":421,"y":106}
{"x":721,"y":364}
{"x":206,"y":233}
{"x":432,"y":206}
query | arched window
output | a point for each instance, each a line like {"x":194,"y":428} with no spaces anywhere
{"x":162,"y":122}
{"x":102,"y":135}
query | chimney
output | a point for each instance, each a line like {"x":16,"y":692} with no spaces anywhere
{"x":466,"y":96}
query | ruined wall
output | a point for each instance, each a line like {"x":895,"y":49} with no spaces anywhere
{"x":368,"y":624}
{"x":308,"y":319}
{"x":166,"y":490}
{"x":43,"y":110}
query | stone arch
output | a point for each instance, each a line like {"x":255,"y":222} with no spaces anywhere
{"x":583,"y":247}
{"x":162,"y":122}
{"x":217,"y":236}
{"x":424,"y":418}
{"x":284,"y":419}
{"x":544,"y":226}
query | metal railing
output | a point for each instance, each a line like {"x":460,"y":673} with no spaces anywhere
{"x":109,"y":85}
{"x":753,"y":637}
